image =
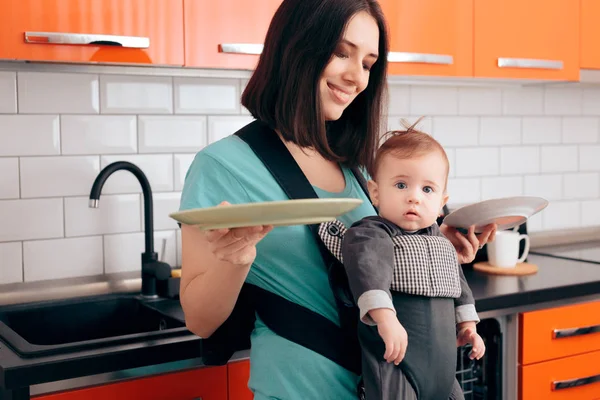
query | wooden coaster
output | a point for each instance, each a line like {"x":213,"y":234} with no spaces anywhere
{"x":176,"y":273}
{"x":520,"y":269}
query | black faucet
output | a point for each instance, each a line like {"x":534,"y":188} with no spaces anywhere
{"x":152,"y":269}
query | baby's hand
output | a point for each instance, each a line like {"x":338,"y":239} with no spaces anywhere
{"x":393,"y":334}
{"x":470,"y":335}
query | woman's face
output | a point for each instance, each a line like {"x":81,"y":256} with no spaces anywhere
{"x":347,"y":73}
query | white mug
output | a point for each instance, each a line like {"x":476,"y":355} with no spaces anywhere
{"x":504,"y":250}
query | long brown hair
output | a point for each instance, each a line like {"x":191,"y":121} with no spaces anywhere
{"x":283,"y":90}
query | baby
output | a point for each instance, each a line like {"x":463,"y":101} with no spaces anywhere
{"x":405,"y":276}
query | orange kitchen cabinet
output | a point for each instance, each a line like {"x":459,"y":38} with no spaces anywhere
{"x":430,"y":37}
{"x":202,"y":383}
{"x":533,"y":39}
{"x":559,"y":332}
{"x":570,"y":378}
{"x":226,"y":33}
{"x":238,"y":373}
{"x":590,"y":34}
{"x":148,"y":31}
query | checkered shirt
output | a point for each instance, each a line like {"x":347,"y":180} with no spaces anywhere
{"x":424,"y":265}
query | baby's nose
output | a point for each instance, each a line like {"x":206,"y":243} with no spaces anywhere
{"x":414,"y":199}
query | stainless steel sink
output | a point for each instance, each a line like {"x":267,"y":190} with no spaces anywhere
{"x":78,"y":324}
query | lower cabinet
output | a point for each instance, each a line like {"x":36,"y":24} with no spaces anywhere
{"x":560,"y":353}
{"x":208,"y":383}
{"x":570,"y":378}
{"x":202,"y":383}
{"x":238,"y":373}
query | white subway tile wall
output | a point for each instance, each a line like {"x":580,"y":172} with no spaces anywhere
{"x":45,"y":176}
{"x":9,"y":178}
{"x":57,"y":93}
{"x":127,"y":94}
{"x":11,"y":256}
{"x":29,"y":135}
{"x":122,"y":252}
{"x":589,"y":158}
{"x":8,"y":92}
{"x":479,"y":101}
{"x":477,"y":161}
{"x":563,"y":101}
{"x":98,"y":134}
{"x":62,"y":258}
{"x":158,"y":168}
{"x":501,"y":187}
{"x":207,"y":96}
{"x":58,"y":129}
{"x":541,"y":130}
{"x":523,"y":101}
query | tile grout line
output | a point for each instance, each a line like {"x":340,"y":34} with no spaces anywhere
{"x":64,"y":204}
{"x":19,"y":176}
{"x":137,"y":134}
{"x":22,"y":261}
{"x":100,"y":107}
{"x":173,"y":171}
{"x":173,"y":107}
{"x":17,"y":92}
{"x":103,"y":255}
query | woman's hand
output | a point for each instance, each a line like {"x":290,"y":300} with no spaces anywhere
{"x":236,"y":245}
{"x":467,"y":246}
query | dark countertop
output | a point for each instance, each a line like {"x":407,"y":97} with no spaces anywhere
{"x":557,"y":280}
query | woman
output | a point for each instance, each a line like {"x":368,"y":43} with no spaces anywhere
{"x":324,"y":62}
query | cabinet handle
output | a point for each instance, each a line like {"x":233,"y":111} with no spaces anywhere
{"x":241,"y":48}
{"x":586,"y":330}
{"x":423,"y":58}
{"x":529,"y":63}
{"x":135,"y":42}
{"x":571,"y":383}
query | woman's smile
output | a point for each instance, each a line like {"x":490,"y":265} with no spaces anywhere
{"x":340,"y":96}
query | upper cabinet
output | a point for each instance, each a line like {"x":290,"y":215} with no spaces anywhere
{"x":533,"y":39}
{"x":106,"y":31}
{"x":590,"y":34}
{"x":430,"y":37}
{"x":512,"y":39}
{"x":226,"y":33}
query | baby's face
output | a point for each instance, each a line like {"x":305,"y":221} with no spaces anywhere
{"x":410,"y":192}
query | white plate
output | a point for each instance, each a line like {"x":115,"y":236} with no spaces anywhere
{"x":277,"y":213}
{"x":507,"y":212}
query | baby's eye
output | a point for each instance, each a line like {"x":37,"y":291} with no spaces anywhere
{"x":401,"y":185}
{"x":428,"y":189}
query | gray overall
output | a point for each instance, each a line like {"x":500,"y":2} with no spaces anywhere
{"x":418,"y":275}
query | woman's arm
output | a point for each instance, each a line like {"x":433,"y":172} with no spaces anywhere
{"x":214,"y":263}
{"x":214,"y":267}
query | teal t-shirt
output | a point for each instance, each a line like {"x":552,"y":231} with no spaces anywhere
{"x":288,"y":263}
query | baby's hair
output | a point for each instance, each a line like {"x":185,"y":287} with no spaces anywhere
{"x":407,"y":143}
